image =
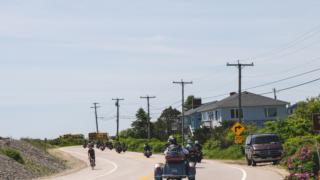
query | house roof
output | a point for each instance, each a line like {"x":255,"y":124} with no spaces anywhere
{"x":248,"y":100}
{"x":198,"y":109}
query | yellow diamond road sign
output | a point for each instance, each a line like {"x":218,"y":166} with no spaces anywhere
{"x":238,"y":139}
{"x":237,"y":128}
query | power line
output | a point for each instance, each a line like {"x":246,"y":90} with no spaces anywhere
{"x":284,"y":79}
{"x":292,"y":43}
{"x":291,"y":87}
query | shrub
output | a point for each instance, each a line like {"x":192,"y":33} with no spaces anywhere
{"x":232,"y":152}
{"x":13,"y":154}
{"x":303,"y":165}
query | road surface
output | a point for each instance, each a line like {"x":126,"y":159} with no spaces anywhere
{"x":134,"y":166}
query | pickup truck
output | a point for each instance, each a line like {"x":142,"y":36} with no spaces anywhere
{"x":263,"y":147}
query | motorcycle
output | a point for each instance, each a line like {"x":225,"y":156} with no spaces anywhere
{"x":175,"y":167}
{"x":102,"y":147}
{"x":119,"y":149}
{"x":147,"y":153}
{"x":193,"y":156}
{"x":92,"y":163}
{"x":85,"y":145}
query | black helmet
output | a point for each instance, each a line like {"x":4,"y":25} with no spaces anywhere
{"x":172,"y":140}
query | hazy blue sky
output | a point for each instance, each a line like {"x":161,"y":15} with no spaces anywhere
{"x":57,"y":57}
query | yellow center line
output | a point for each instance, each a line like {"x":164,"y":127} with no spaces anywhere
{"x":148,"y":177}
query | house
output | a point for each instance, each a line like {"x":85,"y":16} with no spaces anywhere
{"x":193,"y":117}
{"x":256,"y":110}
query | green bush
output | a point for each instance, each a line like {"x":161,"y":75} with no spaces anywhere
{"x":13,"y":154}
{"x":233,"y":152}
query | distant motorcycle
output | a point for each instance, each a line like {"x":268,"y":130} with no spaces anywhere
{"x":102,"y":147}
{"x":119,"y":149}
{"x":85,"y":145}
{"x":147,"y":153}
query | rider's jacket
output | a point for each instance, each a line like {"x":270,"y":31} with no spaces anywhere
{"x":146,"y":148}
{"x":91,"y":153}
{"x":176,"y":148}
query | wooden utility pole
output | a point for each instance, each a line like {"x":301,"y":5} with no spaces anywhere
{"x":182,"y":83}
{"x":240,"y":66}
{"x":95,"y":107}
{"x":117,"y":105}
{"x":149,"y":118}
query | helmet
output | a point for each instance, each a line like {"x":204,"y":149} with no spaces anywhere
{"x":189,"y":141}
{"x":91,"y":145}
{"x":196,"y":142}
{"x":172,"y":140}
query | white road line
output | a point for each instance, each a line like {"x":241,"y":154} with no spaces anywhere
{"x":115,"y":166}
{"x":244,"y":173}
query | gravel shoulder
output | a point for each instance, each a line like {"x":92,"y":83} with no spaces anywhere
{"x":73,"y":164}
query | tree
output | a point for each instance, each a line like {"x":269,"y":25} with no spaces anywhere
{"x":162,"y":128}
{"x":140,"y":125}
{"x":189,"y":102}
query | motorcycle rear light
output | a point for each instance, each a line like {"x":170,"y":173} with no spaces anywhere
{"x":157,"y":166}
{"x":177,"y":158}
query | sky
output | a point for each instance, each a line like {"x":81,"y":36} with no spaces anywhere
{"x":57,"y":57}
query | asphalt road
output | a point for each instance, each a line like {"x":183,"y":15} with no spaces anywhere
{"x":134,"y":166}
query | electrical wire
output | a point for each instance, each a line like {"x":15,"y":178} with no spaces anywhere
{"x":291,"y":87}
{"x":284,"y":79}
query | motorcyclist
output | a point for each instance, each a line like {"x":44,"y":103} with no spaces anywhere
{"x":190,"y":145}
{"x":91,"y":153}
{"x":173,"y":145}
{"x":199,"y":150}
{"x":146,"y":147}
{"x":124,"y":147}
{"x":198,"y":145}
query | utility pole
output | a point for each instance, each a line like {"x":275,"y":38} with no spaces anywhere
{"x":183,"y":83}
{"x":117,"y":105}
{"x":240,"y":66}
{"x":149,"y":118}
{"x":275,"y":93}
{"x":95,"y":107}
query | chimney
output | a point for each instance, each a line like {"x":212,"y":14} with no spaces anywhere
{"x":232,"y":93}
{"x":196,"y":102}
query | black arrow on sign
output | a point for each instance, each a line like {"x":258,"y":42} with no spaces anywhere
{"x":236,"y":128}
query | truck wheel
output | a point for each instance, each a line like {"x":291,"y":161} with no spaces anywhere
{"x":249,"y":162}
{"x":253,"y":163}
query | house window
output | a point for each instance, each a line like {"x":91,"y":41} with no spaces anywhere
{"x":270,"y":112}
{"x":211,"y":117}
{"x":216,"y":115}
{"x":235,"y":113}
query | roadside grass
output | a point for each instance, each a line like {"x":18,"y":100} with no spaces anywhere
{"x":13,"y":154}
{"x":37,"y":169}
{"x":234,"y":152}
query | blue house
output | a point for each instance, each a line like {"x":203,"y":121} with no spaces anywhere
{"x":256,"y":109}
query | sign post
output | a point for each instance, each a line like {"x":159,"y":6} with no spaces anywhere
{"x":238,"y":129}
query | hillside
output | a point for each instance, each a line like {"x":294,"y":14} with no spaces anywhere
{"x":21,"y":160}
